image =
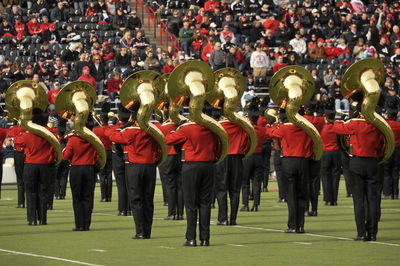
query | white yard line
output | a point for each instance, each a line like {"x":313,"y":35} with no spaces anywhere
{"x":165,"y":247}
{"x":47,"y":257}
{"x":235,"y":245}
{"x":98,"y":250}
{"x":303,"y":243}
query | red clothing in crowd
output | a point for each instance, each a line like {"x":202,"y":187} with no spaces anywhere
{"x":52,"y":95}
{"x":20,"y":29}
{"x":205,"y":54}
{"x":271,"y":25}
{"x":89,"y":78}
{"x":114,"y":85}
{"x":108,"y":55}
{"x":331,"y":52}
{"x":45,"y":26}
{"x":278,"y":66}
{"x":33,"y":28}
{"x":210,"y":5}
{"x":168,"y":68}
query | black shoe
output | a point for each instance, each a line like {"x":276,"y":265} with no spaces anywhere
{"x":128,"y":213}
{"x":57,"y":197}
{"x":32,"y":223}
{"x":77,"y":229}
{"x":300,"y":230}
{"x":169,"y":218}
{"x":312,"y":213}
{"x":265,"y":189}
{"x":334,"y":203}
{"x":254,"y":209}
{"x":281,"y":200}
{"x":327,"y":203}
{"x":42,"y":223}
{"x":212,"y":206}
{"x":251,"y":197}
{"x":85,"y":229}
{"x":348,"y":196}
{"x":50,"y":207}
{"x":244,"y":209}
{"x":233,"y":222}
{"x":190,"y":243}
{"x":138,"y":236}
{"x":205,"y":243}
{"x":62,"y":198}
{"x":180,"y":217}
{"x":373,"y":238}
{"x":103,"y":200}
{"x":108,"y":200}
{"x":360,"y":238}
{"x":307,"y":214}
{"x":290,"y":230}
{"x":122,"y":213}
{"x":222,"y":223}
{"x":20,"y":206}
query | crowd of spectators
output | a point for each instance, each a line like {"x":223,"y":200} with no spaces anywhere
{"x":103,"y":42}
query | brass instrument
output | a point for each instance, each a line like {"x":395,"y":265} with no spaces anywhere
{"x":229,"y":86}
{"x":290,"y":88}
{"x":75,"y":101}
{"x":270,"y":114}
{"x":143,"y":88}
{"x":96,"y":118}
{"x":192,"y":81}
{"x":21,"y":98}
{"x":361,"y":83}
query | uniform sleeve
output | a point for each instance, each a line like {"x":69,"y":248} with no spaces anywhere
{"x":275,"y":132}
{"x":20,"y":140}
{"x":68,"y":151}
{"x":343,"y":128}
{"x":173,"y":138}
{"x":121,"y":137}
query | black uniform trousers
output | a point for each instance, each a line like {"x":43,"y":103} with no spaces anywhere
{"x":314,"y":184}
{"x":229,"y":180}
{"x":19,"y":162}
{"x":252,"y":169}
{"x":171,"y":170}
{"x":82,"y":180}
{"x":391,"y":177}
{"x":118,"y":166}
{"x":282,"y":185}
{"x":296,"y":174}
{"x":364,"y":174}
{"x":266,"y":156}
{"x":106,"y":178}
{"x":37,"y":179}
{"x":61,"y":179}
{"x":330,"y":175}
{"x":50,"y":196}
{"x":346,"y":171}
{"x":197,"y":182}
{"x":164,"y":182}
{"x":141,"y":181}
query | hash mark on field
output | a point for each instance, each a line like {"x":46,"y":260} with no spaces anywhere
{"x":98,"y":250}
{"x":166,"y":247}
{"x":303,"y":243}
{"x":47,"y":257}
{"x":235,"y":245}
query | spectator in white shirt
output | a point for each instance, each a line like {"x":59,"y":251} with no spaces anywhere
{"x":259,"y":62}
{"x":298,"y":44}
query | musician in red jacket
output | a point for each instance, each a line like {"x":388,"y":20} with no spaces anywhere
{"x":366,"y":141}
{"x":19,"y":160}
{"x":143,"y":152}
{"x":106,"y":173}
{"x":330,"y":161}
{"x":171,"y":169}
{"x":253,"y":168}
{"x":231,"y":169}
{"x":392,"y":165}
{"x":39,"y":156}
{"x":296,"y":147}
{"x":198,"y":153}
{"x":82,"y":178}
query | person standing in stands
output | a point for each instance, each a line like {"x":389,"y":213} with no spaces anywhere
{"x":83,"y":156}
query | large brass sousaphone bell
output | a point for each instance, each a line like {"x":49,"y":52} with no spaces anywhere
{"x":75,"y":101}
{"x":192,"y":81}
{"x":361,"y":83}
{"x":229,"y":86}
{"x":21,"y":98}
{"x":290,"y":88}
{"x":141,"y":90}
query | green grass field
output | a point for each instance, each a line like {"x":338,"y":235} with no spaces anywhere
{"x":257,"y":240}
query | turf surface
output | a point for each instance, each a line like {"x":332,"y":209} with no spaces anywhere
{"x":257,"y":240}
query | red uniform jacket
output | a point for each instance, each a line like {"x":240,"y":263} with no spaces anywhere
{"x":318,"y":121}
{"x":166,"y":128}
{"x":395,"y":125}
{"x":237,"y":137}
{"x":328,"y":136}
{"x":13,"y":132}
{"x":3,"y":134}
{"x":366,"y":139}
{"x":100,"y":132}
{"x":199,"y":143}
{"x":79,"y":151}
{"x":261,"y":136}
{"x":295,"y":142}
{"x":37,"y":149}
{"x":141,"y":147}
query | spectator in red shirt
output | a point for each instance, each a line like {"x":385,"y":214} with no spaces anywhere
{"x":330,"y":51}
{"x":279,"y":64}
{"x":34,"y":27}
{"x":114,"y":85}
{"x":52,"y":94}
{"x":206,"y":52}
{"x":271,"y":24}
{"x":342,"y":50}
{"x":87,"y":77}
{"x":108,"y":52}
{"x":45,"y":25}
{"x":169,"y":67}
{"x":210,"y":5}
{"x":20,"y":28}
{"x":91,"y":10}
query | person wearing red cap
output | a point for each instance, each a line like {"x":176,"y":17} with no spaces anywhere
{"x":87,"y":77}
{"x":108,"y":52}
{"x":318,"y":51}
{"x":330,"y":50}
{"x":52,"y":94}
{"x":206,"y":52}
{"x":210,"y":5}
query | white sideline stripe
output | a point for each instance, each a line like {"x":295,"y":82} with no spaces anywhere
{"x":166,"y":247}
{"x":303,"y":243}
{"x":235,"y":245}
{"x":48,"y":257}
{"x":98,"y":250}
